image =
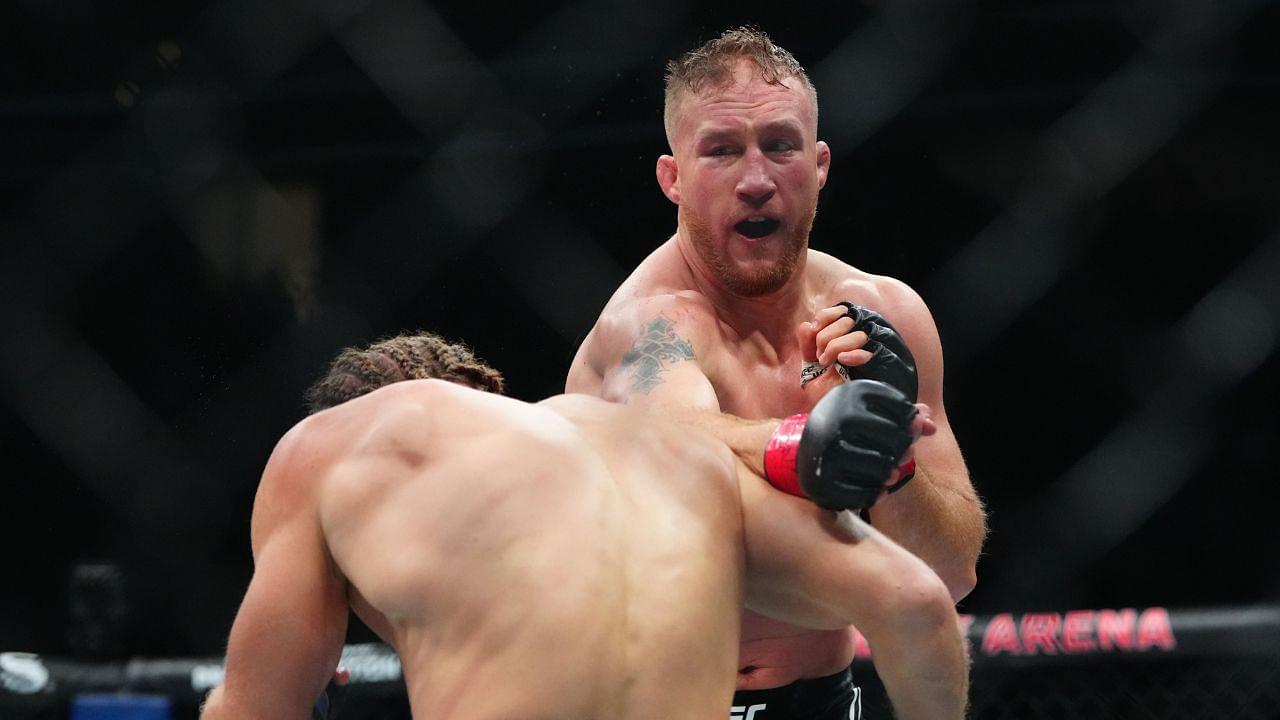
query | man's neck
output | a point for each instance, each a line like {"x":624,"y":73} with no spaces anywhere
{"x":773,"y":316}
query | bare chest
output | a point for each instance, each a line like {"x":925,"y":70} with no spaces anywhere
{"x":756,"y":390}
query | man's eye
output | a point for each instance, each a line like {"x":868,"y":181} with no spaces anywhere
{"x":721,"y":151}
{"x":780,"y":146}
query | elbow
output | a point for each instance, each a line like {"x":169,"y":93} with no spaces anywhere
{"x":914,"y":606}
{"x":961,"y":574}
{"x":965,"y":577}
{"x":925,"y":607}
{"x":211,"y":709}
{"x":961,"y":583}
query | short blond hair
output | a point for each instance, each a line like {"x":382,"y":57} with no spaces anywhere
{"x":711,"y":66}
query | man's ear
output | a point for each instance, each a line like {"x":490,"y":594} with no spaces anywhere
{"x":824,"y":163}
{"x":669,"y":178}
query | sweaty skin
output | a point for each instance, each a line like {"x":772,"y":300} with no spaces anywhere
{"x":570,"y":558}
{"x":714,"y":321}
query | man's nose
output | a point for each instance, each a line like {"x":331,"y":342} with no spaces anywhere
{"x":756,"y":185}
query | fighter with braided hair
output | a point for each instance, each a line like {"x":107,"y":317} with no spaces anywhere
{"x":565,"y":559}
{"x":416,"y":356}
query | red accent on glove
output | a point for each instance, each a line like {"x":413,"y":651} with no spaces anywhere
{"x":906,"y":471}
{"x":780,"y":455}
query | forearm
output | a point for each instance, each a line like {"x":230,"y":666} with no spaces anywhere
{"x":917,"y":646}
{"x":925,"y":670}
{"x":220,"y":705}
{"x":748,"y":439}
{"x":939,"y":524}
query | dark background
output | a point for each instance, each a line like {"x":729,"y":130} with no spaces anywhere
{"x":201,"y":204}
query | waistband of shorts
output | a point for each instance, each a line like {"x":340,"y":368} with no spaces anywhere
{"x":808,"y":695}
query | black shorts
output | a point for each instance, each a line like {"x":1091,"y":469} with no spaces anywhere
{"x":834,"y":697}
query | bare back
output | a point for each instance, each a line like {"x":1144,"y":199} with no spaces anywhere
{"x":536,"y":560}
{"x":747,"y":377}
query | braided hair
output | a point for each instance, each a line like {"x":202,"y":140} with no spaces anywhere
{"x":419,"y":356}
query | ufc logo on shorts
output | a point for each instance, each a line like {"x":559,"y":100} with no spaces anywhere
{"x":739,"y":712}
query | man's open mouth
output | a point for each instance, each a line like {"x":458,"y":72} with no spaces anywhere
{"x":757,"y":227}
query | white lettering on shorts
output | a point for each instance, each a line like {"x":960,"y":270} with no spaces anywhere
{"x":855,"y":707}
{"x":741,"y":712}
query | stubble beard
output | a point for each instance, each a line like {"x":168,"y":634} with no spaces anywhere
{"x":742,"y":282}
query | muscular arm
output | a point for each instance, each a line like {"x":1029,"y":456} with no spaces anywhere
{"x":652,"y":352}
{"x":287,"y":636}
{"x":821,"y":569}
{"x":937,"y":516}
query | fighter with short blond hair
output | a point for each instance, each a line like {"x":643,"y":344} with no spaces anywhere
{"x":735,"y":313}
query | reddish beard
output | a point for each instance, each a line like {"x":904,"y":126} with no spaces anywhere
{"x":741,"y":282}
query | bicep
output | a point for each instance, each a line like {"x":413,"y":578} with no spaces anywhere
{"x":288,"y":634}
{"x":939,"y":453}
{"x":681,"y":384}
{"x":909,"y":314}
{"x":659,"y":355}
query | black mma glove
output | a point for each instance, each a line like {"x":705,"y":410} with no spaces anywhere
{"x":891,"y":360}
{"x":842,"y":453}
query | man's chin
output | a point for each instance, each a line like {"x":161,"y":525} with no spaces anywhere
{"x":760,"y":270}
{"x":760,"y":276}
{"x":754,"y":283}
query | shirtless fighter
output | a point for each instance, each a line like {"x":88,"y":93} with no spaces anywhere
{"x":565,"y":559}
{"x":735,"y":313}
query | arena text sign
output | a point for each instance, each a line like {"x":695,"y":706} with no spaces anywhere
{"x":1074,"y":632}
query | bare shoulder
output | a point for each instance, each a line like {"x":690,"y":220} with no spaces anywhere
{"x":286,"y":489}
{"x":889,"y":296}
{"x":660,"y":284}
{"x":299,"y":453}
{"x":655,"y":321}
{"x":636,"y":423}
{"x":429,"y":413}
{"x":641,"y":436}
{"x":628,"y":318}
{"x":414,"y":407}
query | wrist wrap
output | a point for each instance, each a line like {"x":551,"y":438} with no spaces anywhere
{"x":906,"y":471}
{"x":780,"y":455}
